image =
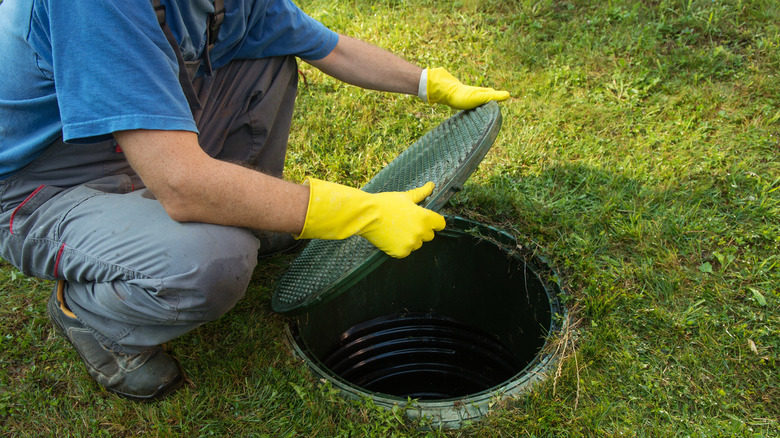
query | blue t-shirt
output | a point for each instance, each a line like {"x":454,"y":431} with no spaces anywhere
{"x":84,"y":69}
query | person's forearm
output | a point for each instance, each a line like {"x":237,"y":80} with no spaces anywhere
{"x":193,"y":187}
{"x":364,"y":65}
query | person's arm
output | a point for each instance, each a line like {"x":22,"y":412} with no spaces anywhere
{"x":193,"y":187}
{"x":359,"y":63}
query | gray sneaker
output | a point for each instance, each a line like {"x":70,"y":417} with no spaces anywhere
{"x":149,"y":375}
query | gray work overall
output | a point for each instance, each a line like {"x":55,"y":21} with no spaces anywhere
{"x":134,"y":276}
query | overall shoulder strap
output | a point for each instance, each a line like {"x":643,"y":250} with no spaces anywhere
{"x":215,"y":20}
{"x":159,"y":9}
{"x":186,"y":70}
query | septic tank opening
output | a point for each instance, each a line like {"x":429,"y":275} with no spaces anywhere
{"x":462,"y":320}
{"x":424,"y":356}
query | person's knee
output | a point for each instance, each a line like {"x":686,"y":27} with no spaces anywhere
{"x":221,"y":284}
{"x":216,"y":279}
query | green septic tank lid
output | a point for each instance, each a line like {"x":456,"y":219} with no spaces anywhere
{"x":447,"y":155}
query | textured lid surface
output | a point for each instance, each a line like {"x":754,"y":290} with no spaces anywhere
{"x":447,"y":155}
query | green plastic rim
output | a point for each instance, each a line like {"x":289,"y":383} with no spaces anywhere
{"x":447,"y":155}
{"x":484,"y":281}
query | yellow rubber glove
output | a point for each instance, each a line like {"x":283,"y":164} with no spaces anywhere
{"x":392,"y":221}
{"x":444,"y":88}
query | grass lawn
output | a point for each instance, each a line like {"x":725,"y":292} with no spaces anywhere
{"x":640,"y":153}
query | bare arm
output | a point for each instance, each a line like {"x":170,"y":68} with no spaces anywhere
{"x":364,"y":65}
{"x":193,"y":187}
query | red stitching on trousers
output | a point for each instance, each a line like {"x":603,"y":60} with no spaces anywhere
{"x":57,"y":261}
{"x":30,"y":196}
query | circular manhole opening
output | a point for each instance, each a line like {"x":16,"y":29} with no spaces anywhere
{"x":461,"y":321}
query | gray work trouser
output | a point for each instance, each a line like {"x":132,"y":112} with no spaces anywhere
{"x":134,"y":276}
